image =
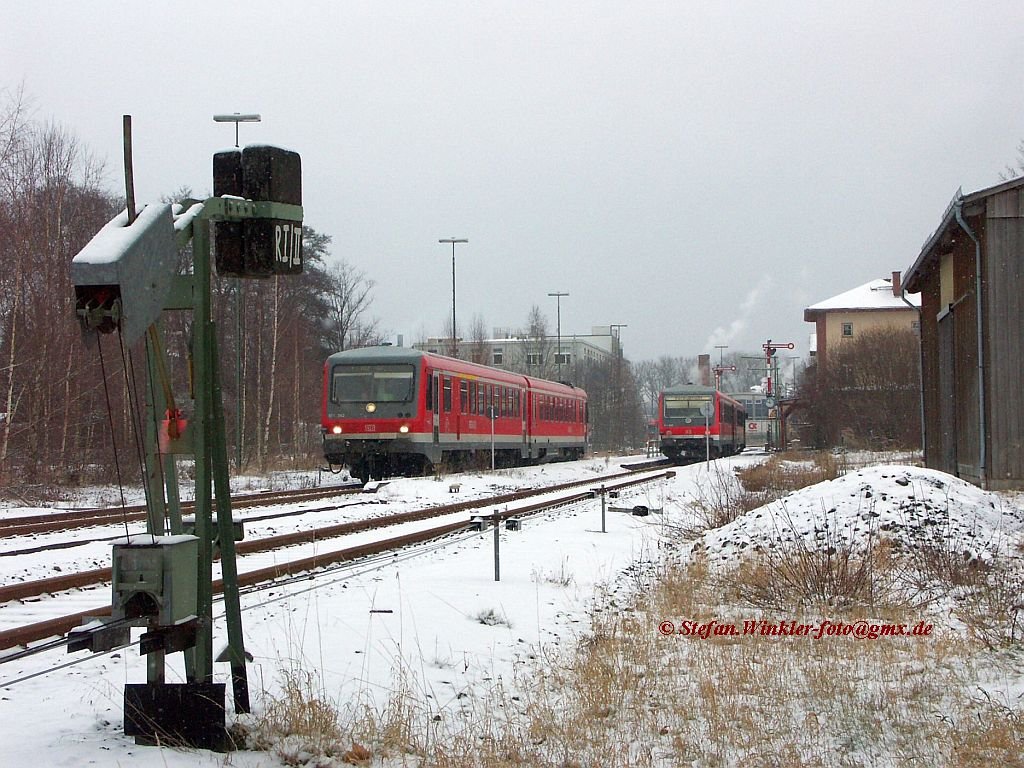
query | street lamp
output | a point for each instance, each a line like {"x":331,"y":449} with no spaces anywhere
{"x":236,"y":118}
{"x":558,"y":325}
{"x":453,"y":241}
{"x":615,"y":329}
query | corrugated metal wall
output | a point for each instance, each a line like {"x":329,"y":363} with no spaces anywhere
{"x":1004,"y":327}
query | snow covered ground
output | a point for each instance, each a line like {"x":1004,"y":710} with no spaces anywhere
{"x":434,"y":620}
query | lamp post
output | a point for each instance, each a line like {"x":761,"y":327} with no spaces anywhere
{"x":236,"y":118}
{"x":558,"y":326}
{"x":453,"y":241}
{"x":615,"y":330}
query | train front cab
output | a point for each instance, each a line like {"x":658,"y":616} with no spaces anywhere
{"x":374,"y":412}
{"x":687,"y":435}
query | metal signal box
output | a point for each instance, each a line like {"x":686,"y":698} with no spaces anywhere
{"x":155,"y":577}
{"x":123,"y":276}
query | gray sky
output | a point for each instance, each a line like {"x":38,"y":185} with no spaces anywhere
{"x":699,"y":171}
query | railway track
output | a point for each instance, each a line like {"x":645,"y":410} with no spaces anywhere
{"x":87,"y":518}
{"x":34,"y":591}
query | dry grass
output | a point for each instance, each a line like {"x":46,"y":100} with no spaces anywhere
{"x":726,"y":495}
{"x":785,"y":472}
{"x":630,"y":695}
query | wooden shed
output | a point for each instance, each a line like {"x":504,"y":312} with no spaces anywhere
{"x":970,"y":274}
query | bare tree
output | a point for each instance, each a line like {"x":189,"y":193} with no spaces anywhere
{"x":1013,"y":171}
{"x":478,"y":349}
{"x":867,"y":394}
{"x":540,"y":348}
{"x":50,"y":204}
{"x":348,"y":298}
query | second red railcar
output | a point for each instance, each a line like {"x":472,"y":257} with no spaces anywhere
{"x":695,"y":422}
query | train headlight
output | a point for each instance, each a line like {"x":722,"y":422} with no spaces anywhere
{"x":404,"y":429}
{"x":336,"y":429}
{"x":371,"y":407}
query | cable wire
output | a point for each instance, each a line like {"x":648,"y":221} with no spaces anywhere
{"x":113,"y":438}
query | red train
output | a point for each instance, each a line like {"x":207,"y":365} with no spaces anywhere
{"x":393,"y":410}
{"x":681,"y":423}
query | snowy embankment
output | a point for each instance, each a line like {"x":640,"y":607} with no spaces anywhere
{"x":910,"y":507}
{"x":431,"y":627}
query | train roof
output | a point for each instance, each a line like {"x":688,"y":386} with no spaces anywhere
{"x":399,"y":355}
{"x":689,"y":389}
{"x":696,"y":389}
{"x":554,"y":387}
{"x":377,"y":355}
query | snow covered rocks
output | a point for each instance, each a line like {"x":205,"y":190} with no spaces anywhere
{"x":910,"y":507}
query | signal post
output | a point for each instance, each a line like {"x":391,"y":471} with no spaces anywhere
{"x":125,"y":279}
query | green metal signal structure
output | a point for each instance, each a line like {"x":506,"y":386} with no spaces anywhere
{"x":125,"y":279}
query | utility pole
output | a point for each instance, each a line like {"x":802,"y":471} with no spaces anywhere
{"x":558,"y":330}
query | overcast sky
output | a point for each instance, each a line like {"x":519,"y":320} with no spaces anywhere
{"x":700,"y":172}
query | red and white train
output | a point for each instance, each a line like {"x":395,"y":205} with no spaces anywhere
{"x":394,"y":410}
{"x":696,"y":421}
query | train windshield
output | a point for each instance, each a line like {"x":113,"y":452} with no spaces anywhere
{"x":680,"y":407}
{"x":372,"y":384}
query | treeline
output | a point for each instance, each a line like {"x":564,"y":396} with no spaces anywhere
{"x":69,"y":404}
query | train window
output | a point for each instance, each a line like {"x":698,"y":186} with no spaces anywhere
{"x":679,"y":407}
{"x":372,"y":384}
{"x":464,"y":396}
{"x":430,"y":389}
{"x":447,"y":389}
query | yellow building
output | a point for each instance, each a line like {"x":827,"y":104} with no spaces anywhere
{"x":874,"y":305}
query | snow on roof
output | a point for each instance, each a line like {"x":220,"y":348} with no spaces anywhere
{"x":876,"y":294}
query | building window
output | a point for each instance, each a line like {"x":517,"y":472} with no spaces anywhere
{"x":847,"y":329}
{"x":498,"y":356}
{"x":533,"y":358}
{"x":915,"y":326}
{"x":562,"y":358}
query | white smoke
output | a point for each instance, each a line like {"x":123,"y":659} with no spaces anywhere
{"x":725,"y":335}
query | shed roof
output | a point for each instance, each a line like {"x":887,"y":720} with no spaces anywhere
{"x":873,"y":295}
{"x":939,"y":240}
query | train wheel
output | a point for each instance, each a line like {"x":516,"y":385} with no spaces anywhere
{"x":360,"y":469}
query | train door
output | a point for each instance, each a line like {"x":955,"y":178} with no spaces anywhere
{"x":435,"y":393}
{"x":462,"y":407}
{"x":521,"y":395}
